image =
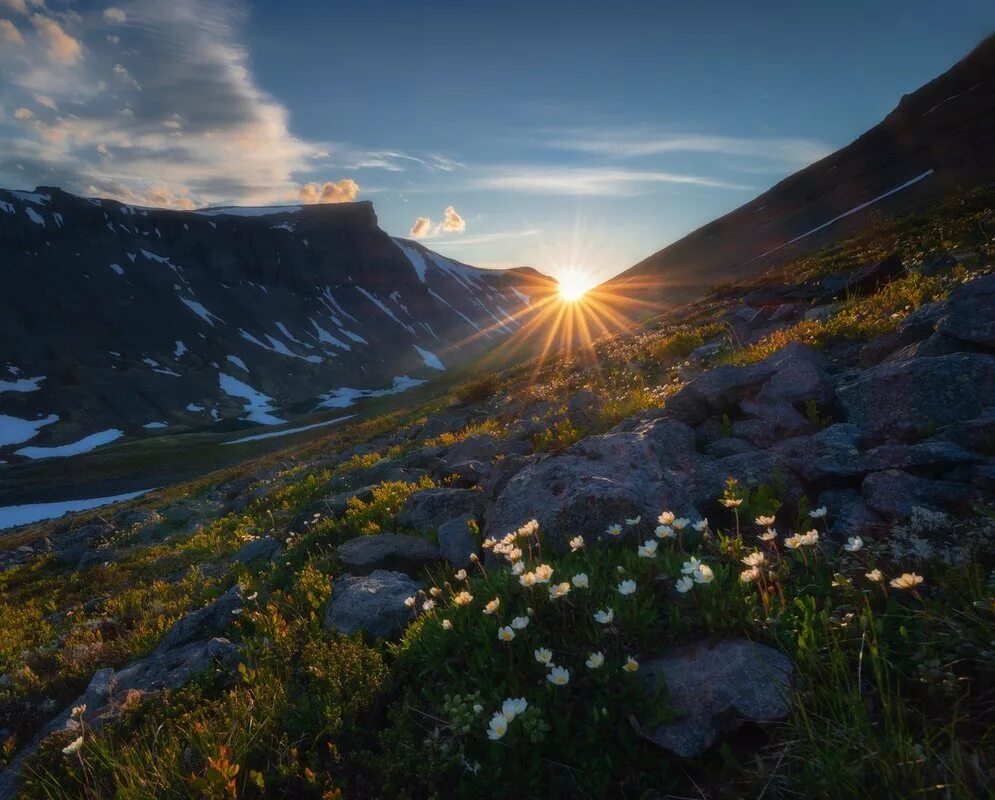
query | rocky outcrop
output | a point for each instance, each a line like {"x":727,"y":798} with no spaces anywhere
{"x":714,"y":689}
{"x":371,"y":603}
{"x":386,"y":551}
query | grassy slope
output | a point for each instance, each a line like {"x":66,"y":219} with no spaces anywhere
{"x":894,"y":693}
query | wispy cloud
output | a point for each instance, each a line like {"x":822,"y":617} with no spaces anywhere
{"x":628,"y":144}
{"x":487,"y":238}
{"x":604,"y":181}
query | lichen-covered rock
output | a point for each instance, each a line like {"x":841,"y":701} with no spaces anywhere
{"x":204,"y":623}
{"x":389,"y":551}
{"x":261,"y":548}
{"x":715,"y":688}
{"x":372,"y":603}
{"x":427,"y":509}
{"x":894,"y":493}
{"x":919,"y":395}
{"x":456,"y":542}
{"x":970,"y":313}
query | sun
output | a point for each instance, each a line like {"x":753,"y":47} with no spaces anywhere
{"x":572,"y":286}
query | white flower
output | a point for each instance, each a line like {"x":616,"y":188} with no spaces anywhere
{"x":577,"y":543}
{"x":463,"y":598}
{"x":543,"y":573}
{"x":595,"y":660}
{"x":630,"y":665}
{"x":506,"y":634}
{"x":818,"y":513}
{"x":614,"y":530}
{"x":512,"y":707}
{"x":768,"y":535}
{"x":853,"y":544}
{"x":461,"y":575}
{"x":664,"y":532}
{"x":447,"y":625}
{"x":73,"y":747}
{"x":681,"y":523}
{"x":685,"y":584}
{"x":754,"y":559}
{"x":428,"y":605}
{"x":558,"y":676}
{"x":907,"y":580}
{"x":493,"y":606}
{"x":477,"y":708}
{"x":543,"y":656}
{"x":810,"y":538}
{"x":78,"y":711}
{"x":703,"y":574}
{"x":604,"y":617}
{"x":731,"y":502}
{"x":497,"y":727}
{"x":875,"y":575}
{"x":750,"y":575}
{"x":513,"y":555}
{"x":558,"y":590}
{"x":518,"y":568}
{"x":763,"y":522}
{"x":634,"y":520}
{"x":690,"y":565}
{"x":627,"y":587}
{"x":802,"y":540}
{"x":701,"y":525}
{"x":527,"y":579}
{"x":409,"y":602}
{"x":666,"y":518}
{"x":520,"y":623}
{"x":489,"y":543}
{"x":648,"y":549}
{"x":580,"y":580}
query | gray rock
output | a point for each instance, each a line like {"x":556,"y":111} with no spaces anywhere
{"x":390,"y":551}
{"x":799,"y":374}
{"x":427,"y":509}
{"x":706,"y":352}
{"x":716,"y":688}
{"x":785,"y":312}
{"x":908,"y":398}
{"x":480,"y":447}
{"x":211,"y":620}
{"x":173,"y":667}
{"x":715,"y":391}
{"x":785,"y":418}
{"x":848,"y":514}
{"x":708,"y":478}
{"x":976,"y":434}
{"x":832,"y":453}
{"x":263,"y":547}
{"x":599,"y":481}
{"x":934,"y":453}
{"x":456,"y":542}
{"x":745,"y":314}
{"x":893,"y":494}
{"x":821,"y":313}
{"x":584,"y":406}
{"x":372,"y":603}
{"x":722,"y":448}
{"x":758,"y":432}
{"x":938,"y":266}
{"x":936,"y":344}
{"x":970,"y":313}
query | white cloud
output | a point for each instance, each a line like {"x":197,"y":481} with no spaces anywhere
{"x":607,"y":181}
{"x":9,"y":32}
{"x":115,"y":16}
{"x":45,"y":100}
{"x":59,"y":45}
{"x":17,"y":6}
{"x":343,"y":191}
{"x":421,"y":228}
{"x":638,"y":144}
{"x":453,"y":222}
{"x":23,"y":113}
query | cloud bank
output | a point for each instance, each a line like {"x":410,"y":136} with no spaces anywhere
{"x":343,"y":191}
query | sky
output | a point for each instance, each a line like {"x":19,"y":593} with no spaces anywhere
{"x":574,"y":136}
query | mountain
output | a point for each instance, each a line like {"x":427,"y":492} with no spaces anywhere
{"x":939,"y":139}
{"x":118,"y":321}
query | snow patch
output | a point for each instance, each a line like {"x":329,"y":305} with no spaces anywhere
{"x":22,"y":385}
{"x":257,"y":406}
{"x":84,"y":445}
{"x":237,"y":362}
{"x":200,"y":311}
{"x":118,"y":269}
{"x":14,"y":430}
{"x":34,"y":216}
{"x":179,"y":350}
{"x":345,"y":397}
{"x":290,"y":431}
{"x":12,"y":516}
{"x":154,"y":426}
{"x":430,"y":359}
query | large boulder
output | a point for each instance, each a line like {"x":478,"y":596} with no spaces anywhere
{"x":970,"y":313}
{"x":262,"y":548}
{"x":480,"y":447}
{"x":862,"y":279}
{"x":207,"y":622}
{"x":894,"y":493}
{"x":715,"y":391}
{"x":848,"y":513}
{"x":390,"y":551}
{"x":714,"y":688}
{"x":919,"y":395}
{"x":456,"y":542}
{"x":832,"y":453}
{"x":799,"y":374}
{"x":372,"y":603}
{"x":427,"y":509}
{"x":600,"y":481}
{"x":172,"y":667}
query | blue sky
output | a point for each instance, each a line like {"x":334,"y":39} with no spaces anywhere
{"x":555,"y":134}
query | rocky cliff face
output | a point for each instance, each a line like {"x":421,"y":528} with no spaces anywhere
{"x":938,"y":140}
{"x":117,"y":320}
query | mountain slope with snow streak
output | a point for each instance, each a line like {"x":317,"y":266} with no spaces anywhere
{"x":153,"y":321}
